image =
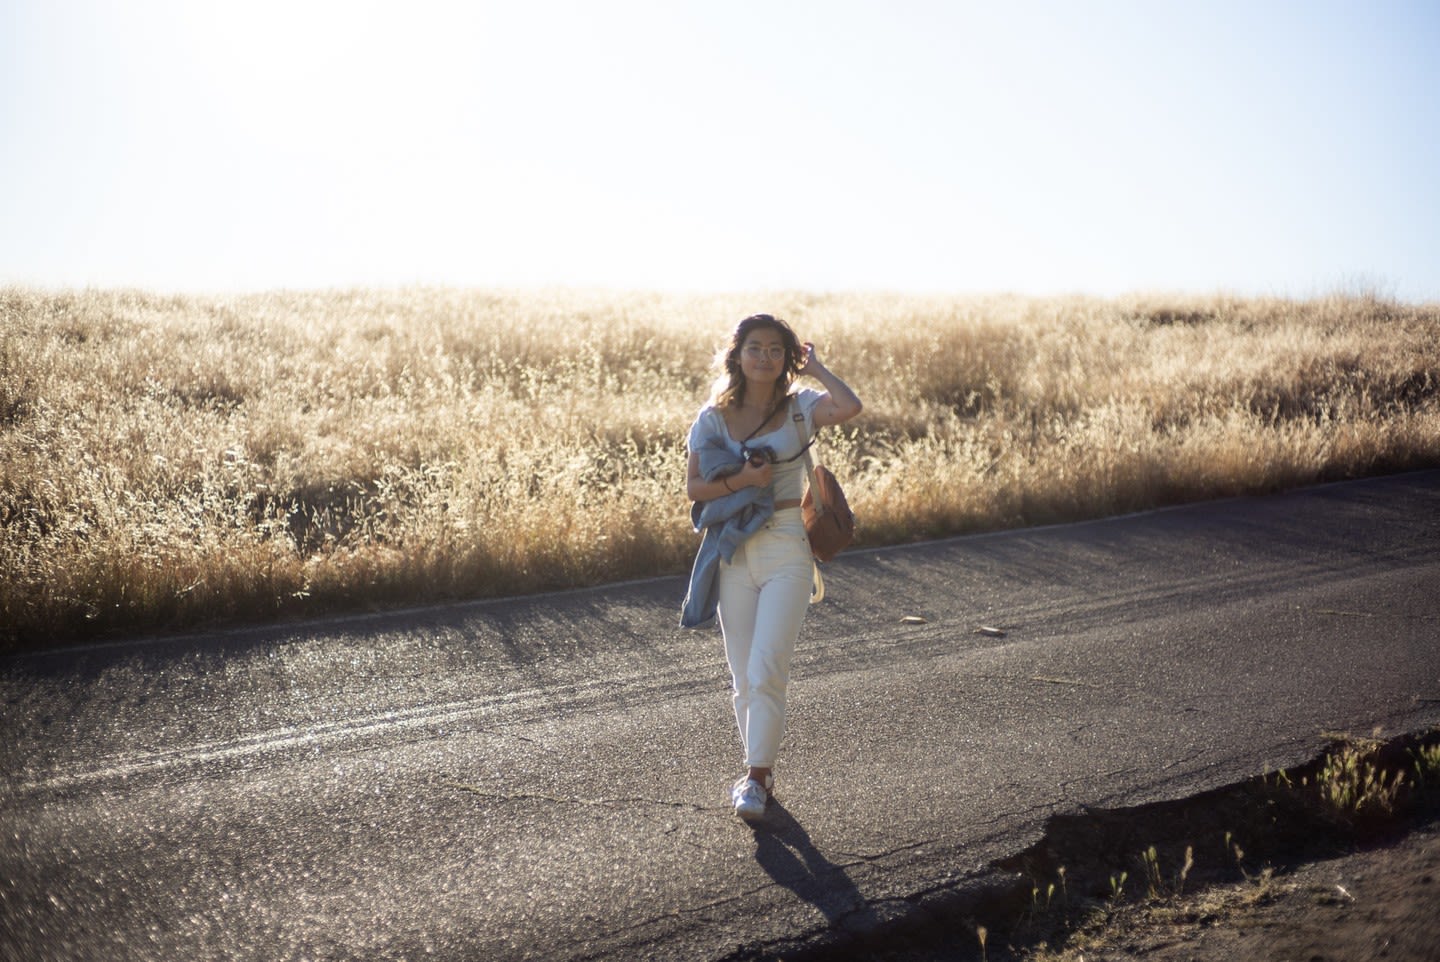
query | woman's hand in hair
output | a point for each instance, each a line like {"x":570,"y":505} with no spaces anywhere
{"x":840,"y":403}
{"x":808,"y":362}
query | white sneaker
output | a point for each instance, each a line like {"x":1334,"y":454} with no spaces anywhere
{"x":750,"y":798}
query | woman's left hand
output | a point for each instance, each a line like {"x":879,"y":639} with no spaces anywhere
{"x":808,"y":361}
{"x":839,"y":404}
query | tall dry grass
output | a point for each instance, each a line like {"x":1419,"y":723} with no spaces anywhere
{"x":174,"y":461}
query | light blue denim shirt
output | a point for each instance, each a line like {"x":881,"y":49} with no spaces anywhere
{"x":727,"y":521}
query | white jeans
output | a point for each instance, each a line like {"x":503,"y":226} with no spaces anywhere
{"x":764,"y":592}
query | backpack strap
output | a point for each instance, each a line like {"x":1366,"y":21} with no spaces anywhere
{"x":817,"y":580}
{"x":811,"y":478}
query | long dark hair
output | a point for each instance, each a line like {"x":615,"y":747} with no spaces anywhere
{"x":730,"y":386}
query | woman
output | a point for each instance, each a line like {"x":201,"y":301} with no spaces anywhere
{"x":747,"y":476}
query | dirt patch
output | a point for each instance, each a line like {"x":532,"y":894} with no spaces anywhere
{"x":1253,"y":871}
{"x":1332,"y":862}
{"x":1380,"y":903}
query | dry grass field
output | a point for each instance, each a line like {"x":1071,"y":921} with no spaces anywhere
{"x":171,"y":462}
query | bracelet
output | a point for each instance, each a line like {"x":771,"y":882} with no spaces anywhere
{"x":726,"y":481}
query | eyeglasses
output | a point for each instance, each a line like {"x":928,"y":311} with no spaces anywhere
{"x":757,"y":352}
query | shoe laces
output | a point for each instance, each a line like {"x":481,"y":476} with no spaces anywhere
{"x":748,"y":789}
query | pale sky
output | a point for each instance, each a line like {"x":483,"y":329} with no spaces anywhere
{"x":1286,"y":148}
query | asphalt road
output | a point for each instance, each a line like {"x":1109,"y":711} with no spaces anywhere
{"x":546,"y":777}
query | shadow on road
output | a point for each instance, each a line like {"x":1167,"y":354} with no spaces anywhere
{"x":784,"y":850}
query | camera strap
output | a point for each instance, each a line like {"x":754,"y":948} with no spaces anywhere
{"x":786,"y":400}
{"x":765,"y":420}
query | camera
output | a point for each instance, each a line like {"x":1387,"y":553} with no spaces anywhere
{"x":757,"y":456}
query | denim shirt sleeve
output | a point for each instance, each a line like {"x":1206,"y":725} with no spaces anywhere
{"x":708,"y":424}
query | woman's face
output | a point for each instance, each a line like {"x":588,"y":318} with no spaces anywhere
{"x":762,"y":355}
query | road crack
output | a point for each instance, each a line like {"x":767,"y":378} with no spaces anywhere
{"x":607,"y":803}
